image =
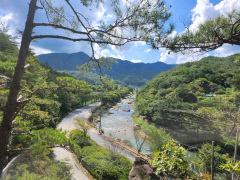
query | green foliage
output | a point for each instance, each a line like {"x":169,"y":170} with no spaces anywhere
{"x":171,"y":160}
{"x":80,"y":138}
{"x":232,"y":167}
{"x":210,"y":35}
{"x":176,"y":100}
{"x":156,"y":136}
{"x":112,"y":97}
{"x":204,"y":158}
{"x":100,"y":162}
{"x":7,"y":45}
{"x":32,"y":166}
{"x":74,"y":85}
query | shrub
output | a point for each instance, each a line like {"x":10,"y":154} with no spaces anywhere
{"x":100,"y":162}
{"x":171,"y":160}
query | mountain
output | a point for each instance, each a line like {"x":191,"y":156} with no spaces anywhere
{"x":136,"y":74}
{"x":64,"y":61}
{"x":196,"y":102}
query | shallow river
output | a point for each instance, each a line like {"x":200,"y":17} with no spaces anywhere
{"x":118,"y":122}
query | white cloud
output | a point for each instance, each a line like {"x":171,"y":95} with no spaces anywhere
{"x":118,"y":56}
{"x":147,"y":50}
{"x":5,"y":21}
{"x":105,"y":53}
{"x":136,"y":61}
{"x":139,"y":43}
{"x":177,"y":58}
{"x":100,"y":12}
{"x":6,"y":18}
{"x":205,"y":10}
{"x":227,"y":50}
{"x":38,"y":50}
{"x":173,"y":34}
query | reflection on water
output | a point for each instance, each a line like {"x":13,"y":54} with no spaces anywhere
{"x":118,"y":122}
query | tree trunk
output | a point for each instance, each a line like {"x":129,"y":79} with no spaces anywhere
{"x":12,"y":105}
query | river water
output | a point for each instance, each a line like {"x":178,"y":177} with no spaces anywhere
{"x":118,"y":122}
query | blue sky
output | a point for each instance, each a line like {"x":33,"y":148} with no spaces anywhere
{"x":194,"y":12}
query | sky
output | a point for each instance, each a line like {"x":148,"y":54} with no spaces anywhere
{"x":193,"y":12}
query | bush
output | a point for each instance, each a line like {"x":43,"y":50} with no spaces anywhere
{"x":204,"y":158}
{"x":100,"y":162}
{"x":78,"y":137}
{"x":171,"y":160}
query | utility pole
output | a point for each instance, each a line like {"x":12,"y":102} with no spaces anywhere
{"x":212,"y":161}
{"x":235,"y":150}
{"x":100,"y":121}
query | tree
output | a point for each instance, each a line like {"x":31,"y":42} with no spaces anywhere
{"x":130,"y":25}
{"x":84,"y":126}
{"x":209,"y":36}
{"x":139,"y":141}
{"x":204,"y":158}
{"x":171,"y":160}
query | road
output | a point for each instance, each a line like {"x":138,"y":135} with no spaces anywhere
{"x":68,"y":124}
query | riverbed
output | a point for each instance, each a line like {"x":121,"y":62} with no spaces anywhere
{"x":118,"y":122}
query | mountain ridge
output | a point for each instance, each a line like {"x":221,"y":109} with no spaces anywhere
{"x":136,"y":74}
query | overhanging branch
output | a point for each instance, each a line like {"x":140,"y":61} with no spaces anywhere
{"x":83,"y":39}
{"x":59,"y":27}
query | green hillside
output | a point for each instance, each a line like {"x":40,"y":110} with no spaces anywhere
{"x":195,"y":102}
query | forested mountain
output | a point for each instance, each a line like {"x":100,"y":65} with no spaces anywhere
{"x":196,"y":101}
{"x":136,"y":74}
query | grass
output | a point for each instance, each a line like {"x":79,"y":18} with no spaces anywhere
{"x":156,"y":136}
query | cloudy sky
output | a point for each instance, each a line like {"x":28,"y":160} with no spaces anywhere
{"x":194,"y":12}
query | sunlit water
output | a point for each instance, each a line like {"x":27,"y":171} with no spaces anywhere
{"x":118,"y":122}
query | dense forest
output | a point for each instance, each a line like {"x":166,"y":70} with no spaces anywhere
{"x":195,"y":101}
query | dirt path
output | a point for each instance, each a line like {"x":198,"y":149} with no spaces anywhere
{"x":68,"y":124}
{"x":78,"y":172}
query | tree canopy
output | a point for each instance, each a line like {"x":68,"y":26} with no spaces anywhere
{"x":209,"y":36}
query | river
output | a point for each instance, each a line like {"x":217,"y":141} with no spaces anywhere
{"x":118,"y":123}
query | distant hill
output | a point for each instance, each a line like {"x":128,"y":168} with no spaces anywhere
{"x":136,"y":74}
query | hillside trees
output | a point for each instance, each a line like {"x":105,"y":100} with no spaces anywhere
{"x":178,"y":102}
{"x":129,"y":25}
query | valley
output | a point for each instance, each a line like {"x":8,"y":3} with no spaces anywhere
{"x":119,"y":90}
